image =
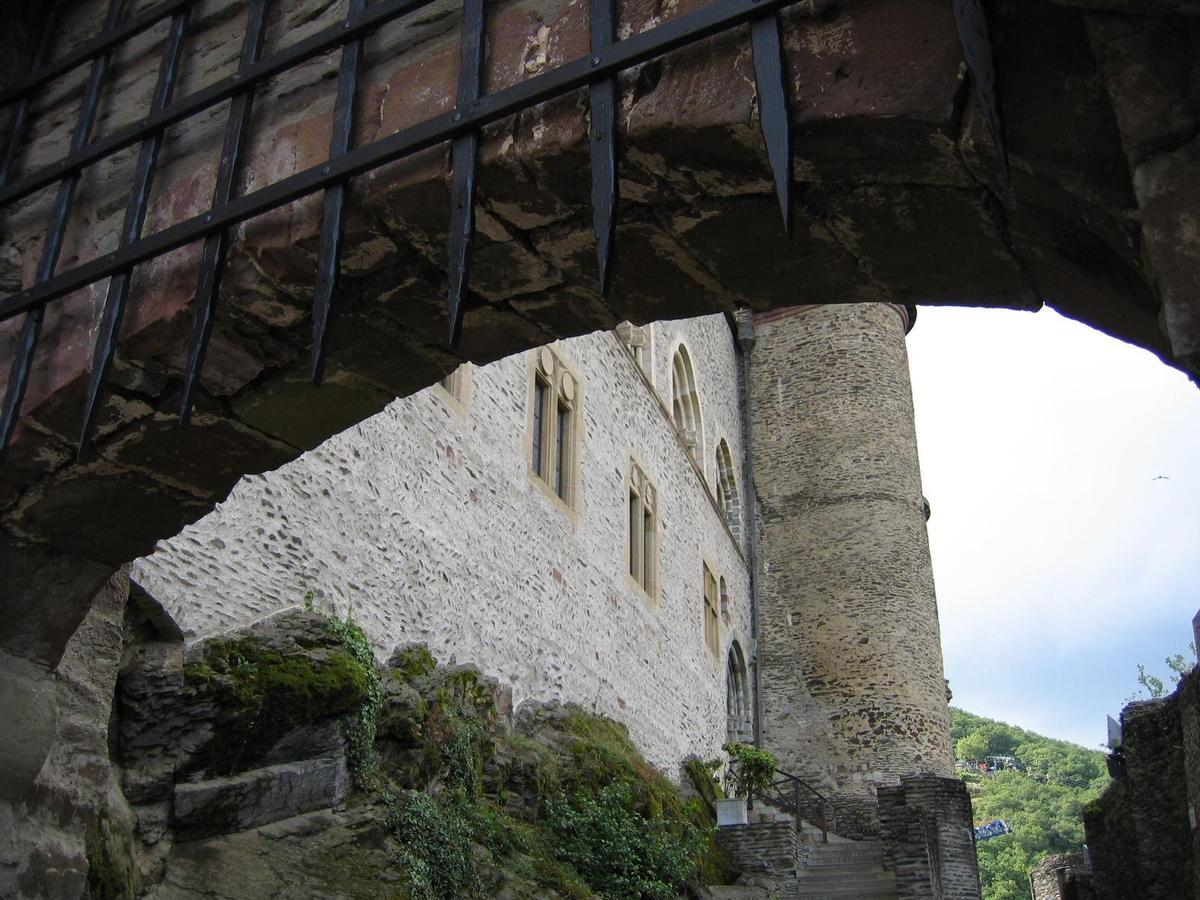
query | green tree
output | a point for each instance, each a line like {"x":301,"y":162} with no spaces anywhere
{"x":1042,"y":804}
{"x":993,"y":739}
{"x":1153,"y":686}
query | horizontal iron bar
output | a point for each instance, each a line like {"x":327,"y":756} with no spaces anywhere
{"x":263,"y":70}
{"x":131,"y":27}
{"x":639,"y":48}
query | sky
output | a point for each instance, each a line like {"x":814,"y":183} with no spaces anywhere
{"x":1062,"y":468}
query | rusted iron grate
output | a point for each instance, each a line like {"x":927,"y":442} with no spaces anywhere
{"x":597,"y":73}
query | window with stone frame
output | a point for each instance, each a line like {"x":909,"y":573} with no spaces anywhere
{"x":643,"y":531}
{"x":727,"y":493}
{"x":685,"y":403}
{"x":712,"y":637}
{"x":555,"y":398}
{"x":738,"y":724}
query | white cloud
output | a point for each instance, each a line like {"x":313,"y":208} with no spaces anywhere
{"x":1042,"y":445}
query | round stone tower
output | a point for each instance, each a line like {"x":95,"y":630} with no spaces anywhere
{"x":852,"y":689}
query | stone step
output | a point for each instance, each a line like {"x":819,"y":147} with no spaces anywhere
{"x":879,"y":880}
{"x":819,"y":855}
{"x":827,"y":873}
{"x":816,"y":861}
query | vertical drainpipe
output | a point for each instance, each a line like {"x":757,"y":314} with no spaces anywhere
{"x":744,"y":330}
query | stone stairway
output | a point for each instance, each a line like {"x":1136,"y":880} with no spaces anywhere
{"x":843,"y":869}
{"x":780,"y":862}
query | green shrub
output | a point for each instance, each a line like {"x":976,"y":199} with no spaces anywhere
{"x":437,"y":852}
{"x":360,"y":730}
{"x":619,"y":853}
{"x":751,"y":770}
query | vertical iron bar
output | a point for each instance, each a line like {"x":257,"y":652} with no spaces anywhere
{"x":131,"y":230}
{"x":970,"y":18}
{"x":18,"y":379}
{"x":602,"y":100}
{"x":20,"y":114}
{"x":769,"y":74}
{"x":332,"y":223}
{"x":464,"y":152}
{"x":212,"y":260}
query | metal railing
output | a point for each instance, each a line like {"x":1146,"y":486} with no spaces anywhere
{"x":794,"y":795}
{"x":597,"y":73}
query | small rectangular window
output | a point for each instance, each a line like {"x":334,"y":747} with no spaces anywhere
{"x":643,"y":531}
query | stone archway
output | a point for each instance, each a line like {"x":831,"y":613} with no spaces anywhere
{"x":898,"y":198}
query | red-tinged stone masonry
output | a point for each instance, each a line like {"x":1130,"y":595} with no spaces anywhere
{"x":898,"y":200}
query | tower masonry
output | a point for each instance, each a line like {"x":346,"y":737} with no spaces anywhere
{"x":853,"y":690}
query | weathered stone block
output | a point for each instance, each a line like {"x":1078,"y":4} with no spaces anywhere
{"x":257,"y":797}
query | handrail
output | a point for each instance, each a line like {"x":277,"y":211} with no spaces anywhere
{"x":823,"y":805}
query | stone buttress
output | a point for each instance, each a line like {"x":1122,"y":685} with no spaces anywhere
{"x":853,"y":691}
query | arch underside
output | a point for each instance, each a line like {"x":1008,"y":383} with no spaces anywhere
{"x":898,"y":198}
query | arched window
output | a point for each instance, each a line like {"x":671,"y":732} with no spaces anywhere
{"x":738,"y":726}
{"x":727,"y":494}
{"x":685,"y":403}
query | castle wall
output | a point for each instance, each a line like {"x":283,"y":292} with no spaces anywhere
{"x":853,"y":688}
{"x":426,"y":525}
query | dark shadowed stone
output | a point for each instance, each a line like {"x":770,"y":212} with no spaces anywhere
{"x":290,"y":408}
{"x":125,"y":512}
{"x":1059,"y":81}
{"x":31,"y":713}
{"x":1150,"y":71}
{"x":31,"y":455}
{"x":223,"y":805}
{"x":40,"y":598}
{"x":1167,"y":187}
{"x":207,"y":458}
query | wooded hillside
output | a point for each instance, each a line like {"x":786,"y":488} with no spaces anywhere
{"x":1041,"y":800}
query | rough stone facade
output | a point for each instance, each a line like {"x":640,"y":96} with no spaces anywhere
{"x":1142,"y":832}
{"x":928,"y":841}
{"x":1066,"y":876}
{"x":762,"y":848}
{"x":853,"y":691}
{"x":426,"y":524}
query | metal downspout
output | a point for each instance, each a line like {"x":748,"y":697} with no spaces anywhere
{"x":745,"y":342}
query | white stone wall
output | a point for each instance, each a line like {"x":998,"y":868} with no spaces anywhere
{"x":425,"y":523}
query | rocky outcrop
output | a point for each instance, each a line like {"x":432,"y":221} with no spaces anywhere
{"x":281,"y":760}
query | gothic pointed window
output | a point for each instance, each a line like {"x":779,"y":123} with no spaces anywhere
{"x":685,"y":403}
{"x":727,"y":493}
{"x":738,"y":724}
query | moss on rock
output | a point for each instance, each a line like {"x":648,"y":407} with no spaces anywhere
{"x":261,"y":693}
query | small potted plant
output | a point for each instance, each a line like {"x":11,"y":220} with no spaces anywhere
{"x":749,"y":771}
